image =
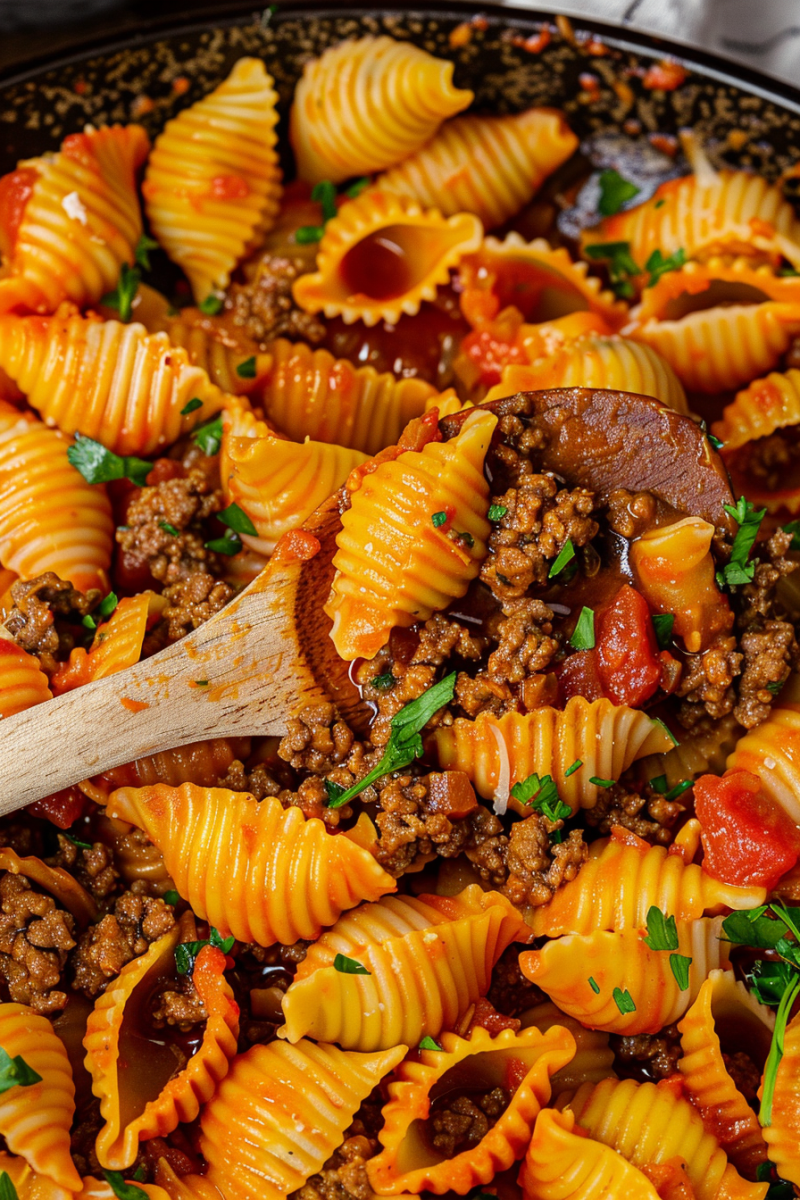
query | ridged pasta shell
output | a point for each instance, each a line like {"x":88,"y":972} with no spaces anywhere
{"x":133,"y":860}
{"x":394,"y":565}
{"x":279,"y":483}
{"x":623,"y":878}
{"x":621,"y":960}
{"x":418,"y":247}
{"x":772,"y":751}
{"x":429,"y":959}
{"x":55,"y":880}
{"x":541,"y":281}
{"x":146,"y":1089}
{"x":271,"y":854}
{"x":35,"y":1120}
{"x":309,"y":393}
{"x":593,"y":1059}
{"x":489,"y":166}
{"x":23,"y":683}
{"x":217,"y":349}
{"x":650,"y":1124}
{"x":117,"y":644}
{"x":29,"y":1184}
{"x":365,"y":105}
{"x":725,"y":1001}
{"x":497,"y":752}
{"x":714,"y":282}
{"x":562,"y":1164}
{"x":100,"y":1189}
{"x":281,"y":1113}
{"x":762,"y":408}
{"x":725,"y":212}
{"x":615,"y":363}
{"x":184,"y":1187}
{"x":112,"y":382}
{"x":783,"y":1134}
{"x":203,"y":763}
{"x":38,"y":486}
{"x":80,"y":222}
{"x":213,"y":184}
{"x":407,"y":1163}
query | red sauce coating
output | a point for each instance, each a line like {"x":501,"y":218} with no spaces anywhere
{"x":16,"y":189}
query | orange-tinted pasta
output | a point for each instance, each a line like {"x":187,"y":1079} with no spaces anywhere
{"x":782,"y":1135}
{"x":117,"y":644}
{"x":23,"y":683}
{"x":772,"y":751}
{"x":29,"y":1184}
{"x":593,"y":1059}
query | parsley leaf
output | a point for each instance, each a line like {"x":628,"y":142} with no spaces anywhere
{"x":324,"y":193}
{"x":541,"y":794}
{"x":657,"y":265}
{"x":465,"y":537}
{"x":739,"y":570}
{"x":334,"y":792}
{"x":662,"y":624}
{"x":775,"y":686}
{"x":662,"y":933}
{"x":405,"y":742}
{"x":142,"y":252}
{"x":583,"y":634}
{"x":779,"y":1189}
{"x":247,"y":368}
{"x":186,"y":954}
{"x":614,"y":192}
{"x":191,"y":406}
{"x":104,"y":609}
{"x":575,"y":767}
{"x":169,"y":528}
{"x":307,"y":234}
{"x":679,"y":789}
{"x":7,"y":1189}
{"x":99,"y":465}
{"x":231,"y":543}
{"x":15,"y":1072}
{"x":171,"y":897}
{"x":237,"y":519}
{"x":383,"y":682}
{"x":680,"y":969}
{"x":793,"y":528}
{"x":211,"y":305}
{"x":496,"y":512}
{"x":357,"y":187}
{"x":209,"y":436}
{"x":594,"y":985}
{"x":428,"y":1043}
{"x":604,"y":783}
{"x":623,"y":1000}
{"x":776,"y":1047}
{"x":123,"y":1190}
{"x":621,"y":266}
{"x":75,"y":841}
{"x":665,"y":729}
{"x":565,"y":555}
{"x":124,"y":293}
{"x":349,"y":966}
{"x":752,"y":927}
{"x":438,"y":519}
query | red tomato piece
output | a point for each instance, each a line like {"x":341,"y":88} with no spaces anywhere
{"x":63,"y":808}
{"x":15,"y":192}
{"x":747,"y":838}
{"x":578,"y":676}
{"x":490,"y":354}
{"x":627,"y":653}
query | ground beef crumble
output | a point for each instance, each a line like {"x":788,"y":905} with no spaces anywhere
{"x":122,"y":935}
{"x":648,"y":815}
{"x":46,"y":617}
{"x":35,"y":938}
{"x":94,"y":868}
{"x":537,"y":867}
{"x":648,"y":1056}
{"x":181,"y":1007}
{"x":264,"y":305}
{"x":465,"y":1120}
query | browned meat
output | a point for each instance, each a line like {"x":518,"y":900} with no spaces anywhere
{"x":46,"y":617}
{"x":649,"y":1055}
{"x":466,"y":1120}
{"x":630,"y":514}
{"x":617,"y":806}
{"x":105,"y":948}
{"x":94,"y":869}
{"x":35,"y":937}
{"x":264,"y":306}
{"x":537,"y":867}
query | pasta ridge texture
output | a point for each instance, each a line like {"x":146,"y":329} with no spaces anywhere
{"x":23,"y":683}
{"x":772,"y":751}
{"x":263,"y":893}
{"x":117,"y":644}
{"x":489,"y":166}
{"x":561,"y":1164}
{"x":109,"y":381}
{"x":39,"y":488}
{"x":759,"y":409}
{"x":213,"y":183}
{"x":281,"y":1112}
{"x":80,"y":222}
{"x":429,"y":959}
{"x":396,"y":561}
{"x":593,"y":1059}
{"x":783,"y":1134}
{"x":365,"y":105}
{"x":497,"y":752}
{"x":30,"y":1184}
{"x":35,"y":1120}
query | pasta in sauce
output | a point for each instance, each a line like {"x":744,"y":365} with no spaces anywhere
{"x":536,"y":935}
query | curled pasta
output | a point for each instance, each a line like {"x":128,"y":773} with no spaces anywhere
{"x":772,"y":751}
{"x":429,"y":959}
{"x":309,"y":393}
{"x":184,"y":1187}
{"x":381,"y":256}
{"x":203,"y":763}
{"x":38,"y":486}
{"x":722,"y":1002}
{"x":365,"y":105}
{"x":406,"y":1163}
{"x":497,"y":752}
{"x":23,"y":683}
{"x":651,"y":1124}
{"x":100,"y":1189}
{"x":698,"y":754}
{"x":79,"y":222}
{"x":620,"y":962}
{"x":593,"y":1059}
{"x":289,"y":1106}
{"x":490,"y":166}
{"x":35,"y":1120}
{"x":397,"y":561}
{"x":112,"y":382}
{"x":564,"y":1165}
{"x":623,"y":878}
{"x":766,"y":405}
{"x":264,"y":896}
{"x":213,"y":183}
{"x":782,"y":1135}
{"x":216,"y":349}
{"x":141,"y":1094}
{"x":117,"y":644}
{"x":29,"y":1184}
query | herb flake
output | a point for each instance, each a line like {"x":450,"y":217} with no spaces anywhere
{"x":583,"y":634}
{"x":615,"y":191}
{"x":565,"y":555}
{"x":237,"y":519}
{"x":623,"y":1000}
{"x":349,"y":966}
{"x":662,"y":625}
{"x":208,"y":437}
{"x":124,"y":293}
{"x":97,"y":464}
{"x":15,"y":1072}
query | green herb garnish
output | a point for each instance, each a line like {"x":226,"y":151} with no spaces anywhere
{"x":231,"y":543}
{"x":191,"y":406}
{"x":680,"y":964}
{"x":169,"y":528}
{"x":100,"y":465}
{"x":237,"y":519}
{"x":657,"y":721}
{"x":247,"y":368}
{"x":438,"y":519}
{"x":171,"y":897}
{"x":603,"y":783}
{"x":209,"y":436}
{"x":793,"y":528}
{"x":334,"y":792}
{"x":211,"y":305}
{"x":104,"y":610}
{"x":583,"y":634}
{"x":662,"y":624}
{"x":662,"y":933}
{"x":383,"y":682}
{"x":357,"y":187}
{"x":186,"y":954}
{"x":614,"y":192}
{"x":658,"y":265}
{"x":575,"y":767}
{"x":565,"y":555}
{"x":428,"y":1043}
{"x":623,"y":1000}
{"x":121,"y":1189}
{"x":594,"y":985}
{"x":124,"y":293}
{"x":7,"y":1189}
{"x":739,"y":570}
{"x":496,"y":512}
{"x":75,"y":841}
{"x":142,"y":252}
{"x":15,"y":1072}
{"x":621,"y":267}
{"x":349,"y":966}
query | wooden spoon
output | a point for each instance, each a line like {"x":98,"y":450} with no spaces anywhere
{"x":267,"y":654}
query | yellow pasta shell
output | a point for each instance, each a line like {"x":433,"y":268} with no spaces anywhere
{"x":35,"y":1120}
{"x":489,"y":166}
{"x":81,"y":222}
{"x":521,"y":1062}
{"x":421,"y":245}
{"x":265,"y":892}
{"x":593,"y":1059}
{"x":772,"y":751}
{"x":216,"y":349}
{"x":23,"y":683}
{"x":29,"y":1184}
{"x":213,"y":184}
{"x":394,"y":566}
{"x":309,"y":393}
{"x":51,"y":519}
{"x":429,"y":959}
{"x":117,"y":645}
{"x":100,"y":1189}
{"x":649,"y":1124}
{"x":783,"y":1134}
{"x":562,"y":1165}
{"x":281,"y":1112}
{"x":123,"y":1066}
{"x":112,"y":382}
{"x":623,"y":878}
{"x":725,"y":1002}
{"x":365,"y":105}
{"x":766,"y":405}
{"x":184,"y":1187}
{"x":719,"y":280}
{"x":279,"y":483}
{"x":497,"y":752}
{"x":621,"y":960}
{"x":203,"y":763}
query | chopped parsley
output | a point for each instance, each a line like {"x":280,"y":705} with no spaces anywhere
{"x":621,"y":266}
{"x":438,"y":519}
{"x":171,"y":897}
{"x":325,"y":195}
{"x":604,"y":783}
{"x":428,"y":1043}
{"x":541,"y":794}
{"x":565,"y":555}
{"x":615,"y":191}
{"x":594,"y":985}
{"x":405,"y":740}
{"x":191,"y":406}
{"x":662,"y":933}
{"x":357,"y":187}
{"x":716,"y":442}
{"x":738,"y":570}
{"x":349,"y":966}
{"x":186,"y":954}
{"x":383,"y":682}
{"x":497,"y":512}
{"x":623,"y":1000}
{"x":142,"y":252}
{"x":466,"y":538}
{"x":658,"y":265}
{"x":211,"y":305}
{"x":7,"y":1189}
{"x":200,"y":682}
{"x":76,"y":842}
{"x":333,"y":791}
{"x":169,"y":528}
{"x":121,"y":1189}
{"x":104,"y":609}
{"x":662,"y":624}
{"x":97,"y":464}
{"x":583,"y":634}
{"x":124,"y":293}
{"x":209,"y":436}
{"x":247,"y":368}
{"x":231,"y":543}
{"x":575,"y":767}
{"x":307,"y":234}
{"x":680,"y":964}
{"x":775,"y":686}
{"x":779,"y":1189}
{"x":237,"y":519}
{"x":15,"y":1072}
{"x":665,"y":729}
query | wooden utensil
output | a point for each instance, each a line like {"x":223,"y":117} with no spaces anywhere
{"x":268,"y":653}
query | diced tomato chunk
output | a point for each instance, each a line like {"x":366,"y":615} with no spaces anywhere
{"x":627,"y":653}
{"x":747,"y":838}
{"x":63,"y":808}
{"x":579,"y":676}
